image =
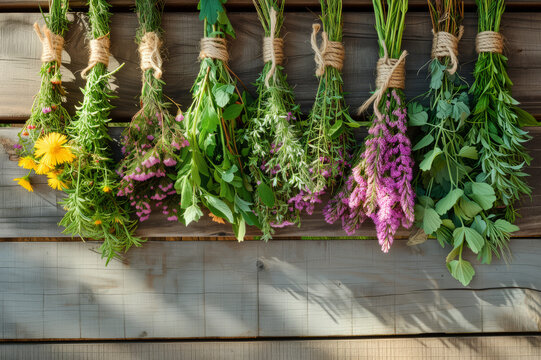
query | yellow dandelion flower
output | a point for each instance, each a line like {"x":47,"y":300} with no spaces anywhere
{"x":42,"y":169}
{"x":216,"y":219}
{"x":106,"y":189}
{"x":97,"y":222}
{"x":27,"y":163}
{"x":55,"y":182}
{"x":25,"y":183}
{"x":52,"y":151}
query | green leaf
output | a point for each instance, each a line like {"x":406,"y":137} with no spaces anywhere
{"x":429,"y":158}
{"x":241,"y":230}
{"x":209,"y":119}
{"x":446,"y":203}
{"x":232,"y":111}
{"x":219,"y":208}
{"x":525,"y":118}
{"x":452,"y":255}
{"x":444,"y":109}
{"x":186,"y":194}
{"x":460,"y":111}
{"x":242,"y":204}
{"x":505,"y":226}
{"x":222,"y":94}
{"x":418,"y":119}
{"x":425,"y":141}
{"x":335,"y":129}
{"x":483,"y":194}
{"x":462,"y":271}
{"x":469,"y":152}
{"x":229,"y":175}
{"x":266,"y":194}
{"x":192,"y":213}
{"x":209,"y":9}
{"x":468,"y":207}
{"x":431,"y":221}
{"x":474,"y":240}
{"x":436,"y":74}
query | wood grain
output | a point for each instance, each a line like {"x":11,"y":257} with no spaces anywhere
{"x":35,"y":215}
{"x":20,"y":51}
{"x":473,"y":348}
{"x":277,"y":289}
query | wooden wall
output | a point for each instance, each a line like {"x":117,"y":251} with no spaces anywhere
{"x":54,"y":288}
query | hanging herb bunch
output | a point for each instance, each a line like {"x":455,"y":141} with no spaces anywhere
{"x":454,"y":201}
{"x":328,"y":133}
{"x":48,"y":115}
{"x":276,"y":162}
{"x":92,"y":209}
{"x":496,"y":116}
{"x":153,"y":142}
{"x":380,"y":185}
{"x":212,"y":173}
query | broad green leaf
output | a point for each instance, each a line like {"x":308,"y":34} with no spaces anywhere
{"x":232,"y":111}
{"x":229,"y":175}
{"x":209,"y":119}
{"x":431,"y":221}
{"x":219,"y":208}
{"x":452,"y":255}
{"x":222,"y":94}
{"x":266,"y":194}
{"x":209,"y":9}
{"x":444,"y":109}
{"x":462,"y":271}
{"x":460,"y":111}
{"x":192,"y":213}
{"x":469,"y":152}
{"x":483,"y":194}
{"x":474,"y":240}
{"x":425,"y":141}
{"x":186,"y":194}
{"x":335,"y":129}
{"x":505,"y":226}
{"x":446,"y":203}
{"x":241,"y":230}
{"x":418,"y":119}
{"x":468,"y":207}
{"x":429,"y":158}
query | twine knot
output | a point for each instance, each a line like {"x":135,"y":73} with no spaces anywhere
{"x":489,"y":41}
{"x":391,"y":73}
{"x":149,"y":52}
{"x":272,"y":48}
{"x":445,"y":44}
{"x":52,"y":44}
{"x":214,"y":48}
{"x":99,"y":53}
{"x":329,"y":53}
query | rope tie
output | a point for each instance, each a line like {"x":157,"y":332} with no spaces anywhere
{"x":329,"y":53}
{"x":272,"y":48}
{"x":99,"y":53}
{"x":52,"y":44}
{"x":391,"y":73}
{"x":214,"y":48}
{"x":445,"y":44}
{"x":489,"y":41}
{"x":149,"y":53}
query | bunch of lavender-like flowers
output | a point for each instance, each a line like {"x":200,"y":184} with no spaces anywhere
{"x":276,"y":160}
{"x":153,"y":141}
{"x":381,"y":185}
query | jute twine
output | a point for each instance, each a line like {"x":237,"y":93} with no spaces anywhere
{"x":214,"y":48}
{"x":149,"y":53}
{"x":489,"y":41}
{"x":52,"y":44}
{"x":272,"y":48}
{"x":391,"y":73}
{"x":99,"y":53}
{"x":329,"y":53}
{"x":445,"y":44}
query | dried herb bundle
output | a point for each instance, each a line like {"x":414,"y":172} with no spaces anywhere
{"x":212,"y":173}
{"x":496,"y":116}
{"x":277,"y":162}
{"x":92,"y":208}
{"x":48,"y":115}
{"x":153,"y":141}
{"x":328,"y":133}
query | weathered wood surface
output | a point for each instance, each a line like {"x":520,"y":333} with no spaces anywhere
{"x":472,"y":348}
{"x":20,"y":50}
{"x":24,"y":214}
{"x":207,"y":289}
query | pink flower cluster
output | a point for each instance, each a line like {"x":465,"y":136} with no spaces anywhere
{"x":380,"y":184}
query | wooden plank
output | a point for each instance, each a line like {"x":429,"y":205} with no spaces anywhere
{"x":61,"y":290}
{"x":472,"y":348}
{"x":35,"y":215}
{"x":20,"y":51}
